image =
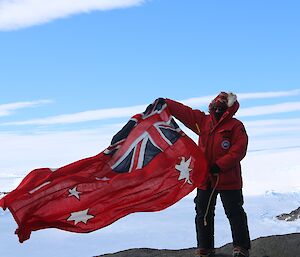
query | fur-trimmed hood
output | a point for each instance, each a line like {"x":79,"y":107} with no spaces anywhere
{"x":228,"y":98}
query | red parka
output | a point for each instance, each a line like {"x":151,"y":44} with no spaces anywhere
{"x":224,"y":142}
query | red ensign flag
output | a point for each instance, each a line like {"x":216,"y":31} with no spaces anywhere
{"x":150,"y":165}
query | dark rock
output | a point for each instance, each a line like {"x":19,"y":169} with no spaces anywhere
{"x":292,"y":216}
{"x":271,"y":246}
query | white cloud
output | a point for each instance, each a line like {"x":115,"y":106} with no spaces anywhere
{"x":93,"y":115}
{"x":269,"y":109}
{"x":271,"y":94}
{"x":274,"y":122}
{"x":273,"y":133}
{"x":7,"y":109}
{"x":205,"y":100}
{"x":126,"y":112}
{"x":16,"y":14}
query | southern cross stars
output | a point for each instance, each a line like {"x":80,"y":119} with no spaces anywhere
{"x":184,"y":170}
{"x":80,"y":216}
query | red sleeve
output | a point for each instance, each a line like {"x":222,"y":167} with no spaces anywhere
{"x":237,"y":150}
{"x":189,"y":117}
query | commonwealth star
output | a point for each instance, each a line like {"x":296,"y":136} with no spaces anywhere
{"x":184,"y":170}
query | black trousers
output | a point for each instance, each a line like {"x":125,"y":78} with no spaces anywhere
{"x":232,"y":201}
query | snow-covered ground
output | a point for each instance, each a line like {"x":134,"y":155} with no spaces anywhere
{"x":271,"y":187}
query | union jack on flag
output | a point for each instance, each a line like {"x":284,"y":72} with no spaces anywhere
{"x":143,"y":148}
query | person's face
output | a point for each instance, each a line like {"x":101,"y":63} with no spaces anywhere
{"x":219,"y":105}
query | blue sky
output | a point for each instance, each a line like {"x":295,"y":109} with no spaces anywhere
{"x":73,"y":66}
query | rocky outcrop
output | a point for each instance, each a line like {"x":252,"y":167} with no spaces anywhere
{"x":272,"y":246}
{"x":292,"y":216}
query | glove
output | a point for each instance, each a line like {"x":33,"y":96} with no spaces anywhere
{"x":160,"y":101}
{"x":155,"y":106}
{"x":215,"y":170}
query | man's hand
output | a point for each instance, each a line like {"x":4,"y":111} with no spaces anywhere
{"x":155,"y":106}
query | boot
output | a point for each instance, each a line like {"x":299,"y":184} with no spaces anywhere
{"x":240,"y":252}
{"x":201,"y":252}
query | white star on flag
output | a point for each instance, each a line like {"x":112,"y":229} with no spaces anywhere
{"x":74,"y":192}
{"x":80,"y":216}
{"x":184,"y":170}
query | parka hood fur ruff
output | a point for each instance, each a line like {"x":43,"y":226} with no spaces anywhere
{"x":231,"y":99}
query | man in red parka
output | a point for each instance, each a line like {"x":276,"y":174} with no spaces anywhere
{"x":224,"y":141}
